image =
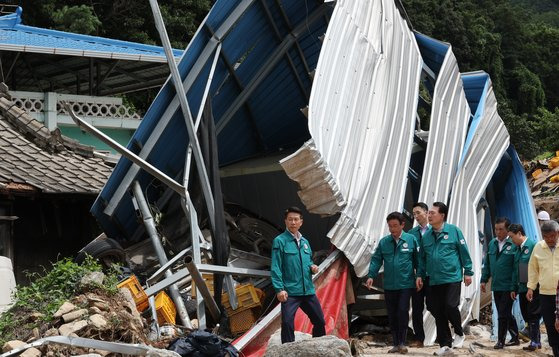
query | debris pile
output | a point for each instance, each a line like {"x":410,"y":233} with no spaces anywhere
{"x":78,"y":301}
{"x":543,"y":176}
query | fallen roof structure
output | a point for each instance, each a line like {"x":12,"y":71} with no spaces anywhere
{"x":253,"y":60}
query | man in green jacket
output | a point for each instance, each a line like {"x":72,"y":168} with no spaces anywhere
{"x":292,"y":269}
{"x":499,"y":267}
{"x":445,"y":259}
{"x":398,"y":252}
{"x":530,"y":309}
{"x":419,"y":210}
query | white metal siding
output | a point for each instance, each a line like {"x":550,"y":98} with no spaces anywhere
{"x":450,"y":114}
{"x":361,"y":119}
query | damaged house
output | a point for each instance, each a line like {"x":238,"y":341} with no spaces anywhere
{"x":47,"y":184}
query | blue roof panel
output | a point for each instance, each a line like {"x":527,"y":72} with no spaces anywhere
{"x":268,"y":118}
{"x":512,"y":194}
{"x":17,"y":36}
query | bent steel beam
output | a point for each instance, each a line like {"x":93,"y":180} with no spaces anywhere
{"x":154,"y":171}
{"x":162,"y":257}
{"x":177,"y":81}
{"x":202,"y":287}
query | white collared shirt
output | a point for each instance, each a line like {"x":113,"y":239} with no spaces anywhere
{"x":297,"y":237}
{"x":424,"y":229}
{"x":501,"y":243}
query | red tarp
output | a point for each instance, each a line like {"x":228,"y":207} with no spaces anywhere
{"x":331,"y":291}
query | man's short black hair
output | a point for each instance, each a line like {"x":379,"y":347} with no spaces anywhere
{"x":504,"y":220}
{"x":515,"y":228}
{"x":443,"y":209}
{"x":421,"y":205}
{"x":396,"y":215}
{"x":293,"y":209}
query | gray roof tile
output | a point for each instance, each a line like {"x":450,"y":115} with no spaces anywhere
{"x":23,"y":161}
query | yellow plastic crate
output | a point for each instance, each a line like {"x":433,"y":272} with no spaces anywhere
{"x":138,"y":293}
{"x":247,"y":297}
{"x":537,"y":173}
{"x":242,"y":321}
{"x":166,"y":310}
{"x":209,"y":279}
{"x":554,"y":162}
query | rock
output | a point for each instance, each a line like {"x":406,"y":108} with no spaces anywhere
{"x":51,"y":332}
{"x":155,"y":352}
{"x":10,"y":345}
{"x":94,"y":278}
{"x":35,"y":316}
{"x":93,"y":297}
{"x":275,"y":339}
{"x":103,"y":306}
{"x":35,"y":334}
{"x":480,"y":332}
{"x":72,"y":327}
{"x":88,"y":355}
{"x":31,"y":352}
{"x":64,"y":309}
{"x":74,"y":315}
{"x":130,"y":305}
{"x":98,"y":321}
{"x":325,"y":346}
{"x":95,"y":310}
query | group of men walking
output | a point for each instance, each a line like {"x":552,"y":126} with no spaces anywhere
{"x":428,"y":265}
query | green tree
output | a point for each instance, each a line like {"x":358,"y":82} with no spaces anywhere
{"x":529,"y":95}
{"x":79,"y":19}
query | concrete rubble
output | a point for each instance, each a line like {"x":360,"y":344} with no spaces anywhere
{"x":325,"y":346}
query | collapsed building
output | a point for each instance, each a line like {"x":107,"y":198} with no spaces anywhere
{"x":364,"y":113}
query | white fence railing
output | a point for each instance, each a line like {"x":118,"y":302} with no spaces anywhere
{"x":103,"y":111}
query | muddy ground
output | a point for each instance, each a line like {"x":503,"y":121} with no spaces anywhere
{"x":477,"y":346}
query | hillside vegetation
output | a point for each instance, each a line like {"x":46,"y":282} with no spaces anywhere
{"x":515,"y":41}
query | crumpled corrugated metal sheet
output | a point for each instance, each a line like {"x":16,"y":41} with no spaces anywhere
{"x":450,"y":115}
{"x":488,"y":139}
{"x":361,"y":119}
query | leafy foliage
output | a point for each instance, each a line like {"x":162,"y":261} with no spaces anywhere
{"x":129,"y":20}
{"x":48,"y":292}
{"x":516,"y":42}
{"x":79,"y":19}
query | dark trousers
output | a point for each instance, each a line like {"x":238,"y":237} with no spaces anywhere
{"x":310,"y":306}
{"x":547,"y":304}
{"x":417,"y":305}
{"x":531,"y":314}
{"x":445,"y":299}
{"x":398,"y":306}
{"x":506,"y":321}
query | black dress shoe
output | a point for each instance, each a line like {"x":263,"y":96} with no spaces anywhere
{"x":530,"y":347}
{"x":499,"y":346}
{"x":515,"y":342}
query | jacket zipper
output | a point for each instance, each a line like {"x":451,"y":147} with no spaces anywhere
{"x":302,"y":272}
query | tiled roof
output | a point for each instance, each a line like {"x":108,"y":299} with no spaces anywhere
{"x":31,"y":156}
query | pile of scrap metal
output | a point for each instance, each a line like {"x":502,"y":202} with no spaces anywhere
{"x":391,"y":120}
